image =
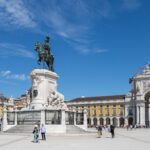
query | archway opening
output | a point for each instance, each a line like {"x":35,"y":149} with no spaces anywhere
{"x":115,"y":122}
{"x":101,"y":121}
{"x":107,"y":121}
{"x":89,"y":122}
{"x":95,"y":122}
{"x":121,"y":120}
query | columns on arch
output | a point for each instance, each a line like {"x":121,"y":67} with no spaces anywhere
{"x":5,"y":123}
{"x":142,"y":115}
{"x":92,"y":122}
{"x":138,"y":115}
{"x":98,"y":121}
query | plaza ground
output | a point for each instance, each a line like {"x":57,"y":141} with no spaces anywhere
{"x":138,"y":139}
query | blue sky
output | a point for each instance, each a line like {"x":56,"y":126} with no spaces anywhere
{"x":98,"y":45}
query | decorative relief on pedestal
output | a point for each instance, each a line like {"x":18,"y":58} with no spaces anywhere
{"x":28,"y":97}
{"x":56,"y":100}
{"x":44,"y":90}
{"x":36,"y":80}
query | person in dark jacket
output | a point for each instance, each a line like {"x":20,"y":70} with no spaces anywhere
{"x":112,"y":131}
{"x":99,"y":130}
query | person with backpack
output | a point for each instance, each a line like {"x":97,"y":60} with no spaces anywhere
{"x":112,"y":131}
{"x":36,"y":134}
{"x":99,"y":130}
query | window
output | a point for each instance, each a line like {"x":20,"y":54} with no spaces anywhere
{"x":130,"y":112}
{"x":107,"y":110}
{"x":76,"y":108}
{"x":101,"y":107}
{"x":114,"y":109}
{"x":88,"y":111}
{"x":94,"y":110}
{"x":121,"y":109}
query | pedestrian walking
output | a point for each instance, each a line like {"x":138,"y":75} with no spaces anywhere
{"x":38,"y":125}
{"x":127,"y":127}
{"x":131,"y":126}
{"x":43,"y":132}
{"x":112,"y":130}
{"x":36,"y":134}
{"x":0,"y":125}
{"x":99,"y":131}
{"x":108,"y":130}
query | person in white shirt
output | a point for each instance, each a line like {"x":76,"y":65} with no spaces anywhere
{"x":108,"y":130}
{"x":43,"y":132}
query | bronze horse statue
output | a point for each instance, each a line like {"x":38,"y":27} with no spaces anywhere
{"x":44,"y":54}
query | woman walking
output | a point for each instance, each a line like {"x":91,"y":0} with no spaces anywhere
{"x":36,"y":134}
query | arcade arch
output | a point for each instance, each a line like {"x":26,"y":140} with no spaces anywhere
{"x":121,"y":120}
{"x":107,"y":121}
{"x":101,"y":121}
{"x":115,"y":121}
{"x":95,"y":121}
{"x":89,"y":121}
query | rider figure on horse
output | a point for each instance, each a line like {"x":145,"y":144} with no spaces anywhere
{"x":44,"y":53}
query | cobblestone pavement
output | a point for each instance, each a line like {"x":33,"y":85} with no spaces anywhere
{"x":138,"y":139}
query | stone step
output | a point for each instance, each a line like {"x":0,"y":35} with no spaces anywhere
{"x":74,"y":129}
{"x":21,"y":129}
{"x":70,"y":129}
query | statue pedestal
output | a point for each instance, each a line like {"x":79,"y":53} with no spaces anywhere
{"x":44,"y":90}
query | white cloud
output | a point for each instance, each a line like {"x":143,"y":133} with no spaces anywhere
{"x":5,"y":73}
{"x":86,"y":49}
{"x":9,"y":75}
{"x":130,"y":4}
{"x":14,"y":12}
{"x":77,"y":30}
{"x":62,"y":26}
{"x":8,"y":49}
{"x":101,"y":50}
{"x":73,"y":20}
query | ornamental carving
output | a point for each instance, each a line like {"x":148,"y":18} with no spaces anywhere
{"x":56,"y":100}
{"x":146,"y":86}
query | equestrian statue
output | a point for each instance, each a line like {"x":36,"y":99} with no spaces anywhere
{"x":44,"y":53}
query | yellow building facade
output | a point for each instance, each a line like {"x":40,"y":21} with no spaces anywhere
{"x":102,"y":110}
{"x":7,"y":102}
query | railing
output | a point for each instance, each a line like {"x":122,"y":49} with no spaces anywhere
{"x":11,"y":118}
{"x":69,"y":118}
{"x":28,"y":117}
{"x":79,"y":118}
{"x":52,"y":116}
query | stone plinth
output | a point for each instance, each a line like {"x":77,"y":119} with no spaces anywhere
{"x":44,"y":90}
